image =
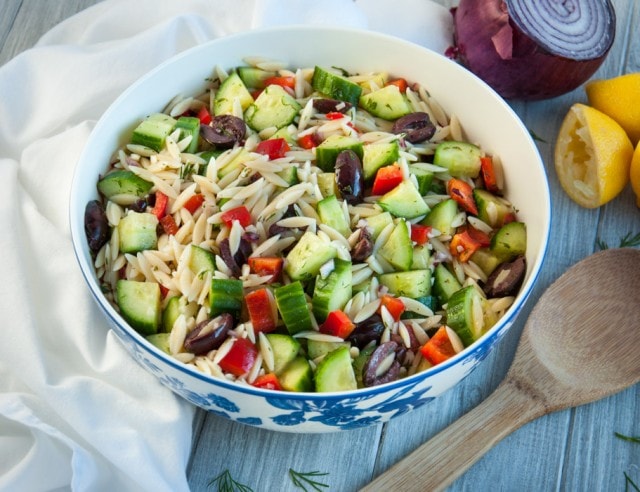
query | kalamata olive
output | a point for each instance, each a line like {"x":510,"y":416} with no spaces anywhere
{"x":139,"y":205}
{"x":417,"y":127}
{"x":323,"y":105}
{"x":239,"y":258}
{"x":375,"y":372}
{"x":224,"y":131}
{"x":96,"y":225}
{"x":208,"y":334}
{"x":506,"y":279}
{"x":363,"y":247}
{"x":366,"y":331}
{"x":349,"y":176}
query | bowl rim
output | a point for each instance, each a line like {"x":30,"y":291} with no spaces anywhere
{"x":481,"y":346}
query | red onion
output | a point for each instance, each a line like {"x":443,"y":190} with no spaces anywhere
{"x":533,"y":49}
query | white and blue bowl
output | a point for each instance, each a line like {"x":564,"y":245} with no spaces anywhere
{"x":486,"y":119}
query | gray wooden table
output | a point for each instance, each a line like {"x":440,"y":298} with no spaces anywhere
{"x":572,"y":450}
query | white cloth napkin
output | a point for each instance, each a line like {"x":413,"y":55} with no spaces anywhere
{"x":76,"y":412}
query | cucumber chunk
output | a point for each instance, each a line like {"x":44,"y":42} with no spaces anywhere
{"x":189,"y":126}
{"x":327,"y":184}
{"x":441,"y":216}
{"x":124,"y":183}
{"x":297,"y":375}
{"x":487,"y":260}
{"x":423,"y":177}
{"x":333,"y":291}
{"x":225,"y":296}
{"x":319,"y":348}
{"x":510,"y":241}
{"x":413,"y":284}
{"x":174,"y":308}
{"x":254,"y":77}
{"x":139,"y":304}
{"x":398,"y":248}
{"x":491,"y":208}
{"x":201,"y":261}
{"x":274,"y":107}
{"x":230,"y":90}
{"x":465,"y":315}
{"x":387,"y":103}
{"x":327,"y":152}
{"x":335,"y":86}
{"x":331,"y":214}
{"x":377,"y":155}
{"x":421,"y":257}
{"x":153,"y":131}
{"x":460,"y":158}
{"x":137,"y":232}
{"x":290,"y":175}
{"x":305,"y":259}
{"x":292,"y":305}
{"x":445,"y":283}
{"x":404,"y":201}
{"x":161,"y":341}
{"x":335,"y":372}
{"x":285,"y":349}
{"x":360,"y":361}
{"x":378,"y":222}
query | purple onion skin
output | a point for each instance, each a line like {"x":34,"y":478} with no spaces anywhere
{"x":491,"y":45}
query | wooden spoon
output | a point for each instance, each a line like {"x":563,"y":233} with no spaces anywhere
{"x":580,"y":343}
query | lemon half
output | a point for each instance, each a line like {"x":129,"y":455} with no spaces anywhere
{"x":592,"y":156}
{"x":618,"y":97}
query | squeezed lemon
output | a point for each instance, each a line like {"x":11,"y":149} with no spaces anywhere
{"x":592,"y":156}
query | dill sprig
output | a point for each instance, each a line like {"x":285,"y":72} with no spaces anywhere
{"x":226,"y":483}
{"x":629,"y":240}
{"x":627,"y":438}
{"x":307,"y":479}
{"x":628,"y":482}
{"x":536,"y":137}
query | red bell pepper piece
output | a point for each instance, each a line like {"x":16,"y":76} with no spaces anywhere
{"x":163,"y":291}
{"x":438,"y":348}
{"x":274,"y":148}
{"x":268,"y":265}
{"x":241,"y":214}
{"x":479,"y":236}
{"x":387,"y":178}
{"x":194,"y":203}
{"x":260,"y":307}
{"x":308,"y":141}
{"x":204,"y":116}
{"x":462,"y":192}
{"x":420,"y":233}
{"x":169,"y":225}
{"x":400,"y":84}
{"x":268,"y":381}
{"x":334,"y":115}
{"x":488,"y":173}
{"x":337,"y":324}
{"x":466,"y":242}
{"x":289,"y":82}
{"x":160,"y":207}
{"x":394,"y":305}
{"x":240,"y":358}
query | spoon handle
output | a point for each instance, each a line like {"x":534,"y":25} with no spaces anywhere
{"x":446,"y":456}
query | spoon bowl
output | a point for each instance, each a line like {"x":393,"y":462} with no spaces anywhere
{"x":579,"y":344}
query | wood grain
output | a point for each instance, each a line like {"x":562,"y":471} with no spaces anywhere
{"x":568,"y":450}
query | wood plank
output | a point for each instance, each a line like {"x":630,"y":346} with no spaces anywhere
{"x":261,"y":459}
{"x":27,"y":26}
